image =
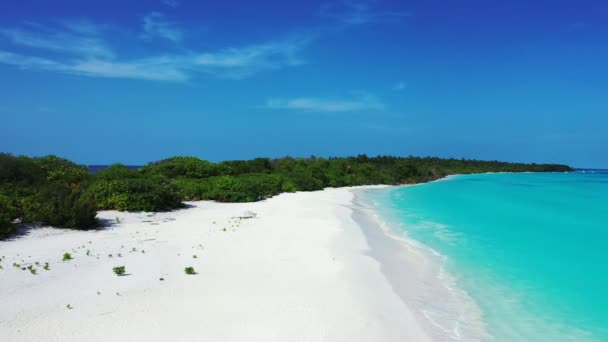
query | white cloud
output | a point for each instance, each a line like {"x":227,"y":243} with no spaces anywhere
{"x":155,"y":69}
{"x":399,"y":86}
{"x":80,"y":47}
{"x":311,"y":104}
{"x":170,"y":3}
{"x":25,"y":62}
{"x":231,"y":63}
{"x":155,"y":24}
{"x":60,"y":41}
{"x":360,"y":12}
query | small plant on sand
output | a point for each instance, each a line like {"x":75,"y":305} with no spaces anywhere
{"x":119,"y":270}
{"x":88,"y":252}
{"x":195,"y":256}
{"x":189,"y":270}
{"x":16,"y":265}
{"x":67,"y":256}
{"x":46,"y":266}
{"x":32,"y":269}
{"x":69,"y":307}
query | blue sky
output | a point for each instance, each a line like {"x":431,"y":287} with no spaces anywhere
{"x":111,"y":82}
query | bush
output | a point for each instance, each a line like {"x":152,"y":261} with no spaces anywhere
{"x":135,"y":194}
{"x":20,"y":170}
{"x":242,"y":188}
{"x":8,"y":214}
{"x":189,"y":270}
{"x":60,"y":206}
{"x":63,"y":171}
{"x":119,"y":270}
{"x":116,"y":172}
{"x":189,"y":167}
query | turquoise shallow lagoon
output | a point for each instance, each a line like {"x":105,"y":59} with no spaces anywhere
{"x":530,"y":249}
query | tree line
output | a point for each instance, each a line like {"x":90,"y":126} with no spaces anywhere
{"x":55,"y":191}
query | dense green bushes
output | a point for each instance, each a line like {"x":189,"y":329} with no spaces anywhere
{"x":189,"y":167}
{"x":120,"y":188}
{"x":47,"y":190}
{"x":8,"y":214}
{"x":60,"y":206}
{"x":241,"y":188}
{"x":55,"y":191}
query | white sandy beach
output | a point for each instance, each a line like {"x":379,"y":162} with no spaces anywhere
{"x":299,"y":271}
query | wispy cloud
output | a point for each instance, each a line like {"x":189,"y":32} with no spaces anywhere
{"x":67,"y":41}
{"x":155,"y":24}
{"x":230,"y":63}
{"x":25,"y":62}
{"x":399,"y":86}
{"x":170,"y":3}
{"x":310,"y":104}
{"x":81,"y":47}
{"x":360,"y":12}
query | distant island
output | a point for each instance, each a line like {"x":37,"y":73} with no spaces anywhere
{"x":55,"y":191}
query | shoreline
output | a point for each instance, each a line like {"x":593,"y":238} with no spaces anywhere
{"x":301,"y":270}
{"x":445,"y":311}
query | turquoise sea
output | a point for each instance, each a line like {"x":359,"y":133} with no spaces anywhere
{"x":531,"y":249}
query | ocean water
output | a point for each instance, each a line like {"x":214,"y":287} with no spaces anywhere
{"x":531,"y":249}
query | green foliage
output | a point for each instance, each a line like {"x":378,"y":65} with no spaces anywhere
{"x":240,"y":188}
{"x":54,"y":191}
{"x":135,"y":194}
{"x":119,"y":270}
{"x":189,"y":167}
{"x":46,"y":190}
{"x":67,"y":256}
{"x":60,"y":206}
{"x":8,"y":213}
{"x":189,"y":270}
{"x":116,"y":171}
{"x":63,"y":171}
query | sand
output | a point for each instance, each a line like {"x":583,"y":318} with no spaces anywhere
{"x":299,"y":271}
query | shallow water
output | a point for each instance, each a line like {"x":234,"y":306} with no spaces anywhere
{"x":530,"y":249}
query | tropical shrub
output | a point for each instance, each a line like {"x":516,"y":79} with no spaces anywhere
{"x":8,"y":214}
{"x":119,"y":270}
{"x":189,"y":167}
{"x":135,"y":194}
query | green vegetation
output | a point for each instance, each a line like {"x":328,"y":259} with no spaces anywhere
{"x":189,"y":270}
{"x":119,"y":270}
{"x":67,"y":256}
{"x":32,"y":269}
{"x":46,"y":190}
{"x":120,"y":188}
{"x":54,"y":191}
